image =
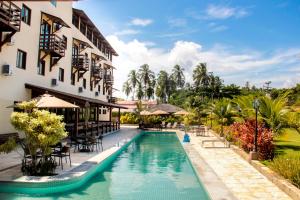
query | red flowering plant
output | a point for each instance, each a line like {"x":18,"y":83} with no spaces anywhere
{"x":243,"y":135}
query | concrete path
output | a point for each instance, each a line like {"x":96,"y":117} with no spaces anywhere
{"x":243,"y":180}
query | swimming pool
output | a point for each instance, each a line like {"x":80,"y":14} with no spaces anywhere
{"x":154,"y":166}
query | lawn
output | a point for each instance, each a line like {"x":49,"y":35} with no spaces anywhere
{"x":288,"y":142}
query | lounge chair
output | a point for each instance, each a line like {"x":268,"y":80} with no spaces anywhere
{"x":174,"y":125}
{"x":200,"y":131}
{"x":169,"y":125}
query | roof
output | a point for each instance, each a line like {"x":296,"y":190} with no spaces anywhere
{"x":134,"y":102}
{"x":82,"y":14}
{"x":165,"y":107}
{"x":73,"y":97}
{"x":57,"y":19}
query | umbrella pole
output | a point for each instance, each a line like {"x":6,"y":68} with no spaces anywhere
{"x":76,"y":121}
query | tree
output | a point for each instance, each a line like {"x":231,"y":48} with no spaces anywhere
{"x":178,"y":76}
{"x":133,"y":80}
{"x":42,"y":130}
{"x":161,"y":86}
{"x":222,"y":110}
{"x":127,"y":88}
{"x":146,"y":77}
{"x":140,"y":92}
{"x":200,"y":76}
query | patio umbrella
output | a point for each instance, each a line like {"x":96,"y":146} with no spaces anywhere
{"x":160,"y":112}
{"x":145,"y":112}
{"x":181,"y":112}
{"x":49,"y":101}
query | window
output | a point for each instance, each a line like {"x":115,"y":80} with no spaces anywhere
{"x":99,"y":88}
{"x":75,"y":21}
{"x":82,"y":28}
{"x":61,"y":74}
{"x":104,"y":111}
{"x":73,"y":79}
{"x":53,"y":2}
{"x":21,"y":59}
{"x":65,"y":39}
{"x":26,"y":14}
{"x":84,"y":83}
{"x":41,"y":68}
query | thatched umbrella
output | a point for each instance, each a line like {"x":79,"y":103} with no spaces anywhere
{"x":182,"y":112}
{"x":159,"y":112}
{"x":145,"y":112}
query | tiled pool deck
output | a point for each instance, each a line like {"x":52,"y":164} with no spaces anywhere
{"x":242,"y":179}
{"x":224,"y":173}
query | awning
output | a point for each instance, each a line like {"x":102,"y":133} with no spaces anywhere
{"x":71,"y":97}
{"x":109,"y":66}
{"x":56,"y":19}
{"x":83,"y":43}
{"x":99,"y":56}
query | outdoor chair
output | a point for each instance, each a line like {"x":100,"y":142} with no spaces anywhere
{"x":27,"y":158}
{"x":174,"y":125}
{"x":99,"y":139}
{"x":169,"y":125}
{"x":200,"y":131}
{"x":163,"y":124}
{"x":92,"y":143}
{"x":74,"y":142}
{"x":61,"y":152}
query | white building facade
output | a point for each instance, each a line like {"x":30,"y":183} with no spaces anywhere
{"x":49,"y":46}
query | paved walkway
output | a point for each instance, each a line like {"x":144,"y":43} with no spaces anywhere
{"x":243,"y":180}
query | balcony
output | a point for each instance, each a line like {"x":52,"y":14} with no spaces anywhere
{"x":80,"y":62}
{"x":52,"y":44}
{"x":10,"y":17}
{"x":97,"y":72}
{"x":108,"y":79}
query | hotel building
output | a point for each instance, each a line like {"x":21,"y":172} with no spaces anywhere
{"x":49,"y":46}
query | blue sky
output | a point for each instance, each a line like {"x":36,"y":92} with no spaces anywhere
{"x":254,"y":40}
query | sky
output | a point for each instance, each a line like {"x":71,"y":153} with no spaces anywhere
{"x":240,"y":40}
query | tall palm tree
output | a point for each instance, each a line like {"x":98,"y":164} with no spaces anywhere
{"x":146,"y":76}
{"x":200,"y":76}
{"x":161,"y":86}
{"x":127,"y":88}
{"x":178,"y":76}
{"x":133,"y":79}
{"x":139,"y":92}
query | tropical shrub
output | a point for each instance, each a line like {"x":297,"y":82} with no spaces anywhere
{"x":288,"y":166}
{"x":129,"y":118}
{"x":243,"y":135}
{"x":42,"y":130}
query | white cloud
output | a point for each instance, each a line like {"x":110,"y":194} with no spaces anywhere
{"x":127,"y":32}
{"x":232,"y":67}
{"x":177,"y":22}
{"x":141,"y":22}
{"x":214,"y":27}
{"x":224,"y":12}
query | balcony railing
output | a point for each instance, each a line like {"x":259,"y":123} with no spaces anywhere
{"x":53,"y":44}
{"x":10,"y":16}
{"x":80,"y":62}
{"x":97,"y":72}
{"x":108,"y":79}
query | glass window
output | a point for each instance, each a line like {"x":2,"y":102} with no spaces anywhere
{"x":26,"y":14}
{"x":41,"y":68}
{"x":21,"y":59}
{"x":99,"y":88}
{"x":61,"y":74}
{"x":73,"y":78}
{"x":84,"y":83}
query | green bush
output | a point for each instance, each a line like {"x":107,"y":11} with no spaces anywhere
{"x":288,"y":166}
{"x":129,"y":118}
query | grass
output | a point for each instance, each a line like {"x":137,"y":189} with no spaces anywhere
{"x":288,"y":142}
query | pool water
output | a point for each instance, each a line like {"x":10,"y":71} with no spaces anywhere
{"x":153,"y":167}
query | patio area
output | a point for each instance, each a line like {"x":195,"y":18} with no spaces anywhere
{"x":10,"y":167}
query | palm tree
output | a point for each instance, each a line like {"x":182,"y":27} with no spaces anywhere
{"x":222,"y":110}
{"x":133,"y":79}
{"x":127,"y":88}
{"x":146,"y":76}
{"x":200,"y":76}
{"x":178,"y":76}
{"x":139,"y":92}
{"x":161,"y":85}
